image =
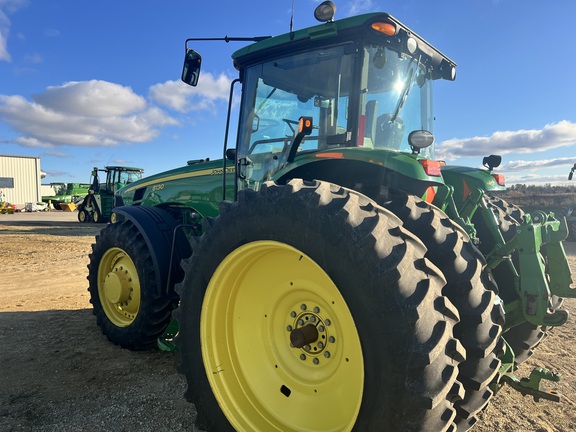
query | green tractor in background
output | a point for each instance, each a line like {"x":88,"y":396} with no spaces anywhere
{"x":98,"y":203}
{"x":328,"y":273}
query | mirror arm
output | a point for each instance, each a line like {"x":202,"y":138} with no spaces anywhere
{"x":228,"y":39}
{"x":226,"y":142}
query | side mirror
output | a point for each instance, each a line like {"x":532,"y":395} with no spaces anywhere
{"x":492,"y":161}
{"x":231,"y":154}
{"x":191,"y":69}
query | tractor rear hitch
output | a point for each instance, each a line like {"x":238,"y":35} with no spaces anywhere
{"x":534,"y":284}
{"x":531,"y":385}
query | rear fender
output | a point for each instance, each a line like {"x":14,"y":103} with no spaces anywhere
{"x":355,"y":170}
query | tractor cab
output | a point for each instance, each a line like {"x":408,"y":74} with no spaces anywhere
{"x":118,"y":176}
{"x":98,"y":203}
{"x":364,"y":83}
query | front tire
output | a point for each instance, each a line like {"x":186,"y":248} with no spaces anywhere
{"x":83,"y":216}
{"x":382,"y":355}
{"x":130,"y":309}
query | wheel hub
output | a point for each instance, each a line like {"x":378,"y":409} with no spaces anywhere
{"x":117,"y":285}
{"x":310,"y":334}
{"x":299,"y":337}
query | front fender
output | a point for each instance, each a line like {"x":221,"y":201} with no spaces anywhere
{"x":465,"y":180}
{"x":157,"y":227}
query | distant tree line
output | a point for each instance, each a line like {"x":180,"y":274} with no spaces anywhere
{"x":547,"y":196}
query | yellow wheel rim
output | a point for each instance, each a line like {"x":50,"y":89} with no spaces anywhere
{"x":260,"y":296}
{"x":118,"y":287}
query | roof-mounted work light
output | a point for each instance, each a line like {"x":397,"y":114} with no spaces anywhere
{"x":325,"y":11}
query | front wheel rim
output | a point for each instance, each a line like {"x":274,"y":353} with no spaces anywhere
{"x":260,"y":296}
{"x":118,"y":287}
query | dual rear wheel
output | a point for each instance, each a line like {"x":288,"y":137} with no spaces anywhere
{"x":310,"y":307}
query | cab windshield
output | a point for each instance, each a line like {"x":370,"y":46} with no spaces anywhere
{"x":397,"y":99}
{"x":375,"y":103}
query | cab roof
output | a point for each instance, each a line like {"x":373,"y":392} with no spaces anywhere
{"x":346,"y":29}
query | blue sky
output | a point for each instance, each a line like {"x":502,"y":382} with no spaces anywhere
{"x":94,"y":83}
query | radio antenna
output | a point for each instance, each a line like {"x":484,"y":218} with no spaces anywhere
{"x":292,"y":18}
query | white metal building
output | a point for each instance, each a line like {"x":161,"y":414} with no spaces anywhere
{"x":20,"y":179}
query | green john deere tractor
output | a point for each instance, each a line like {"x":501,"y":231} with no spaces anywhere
{"x":328,"y":273}
{"x":98,"y":203}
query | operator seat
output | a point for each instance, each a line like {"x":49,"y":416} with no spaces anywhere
{"x":389,"y":133}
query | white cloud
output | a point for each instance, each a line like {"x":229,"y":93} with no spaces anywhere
{"x":34,"y":58}
{"x":12,"y":5}
{"x":184,"y":98}
{"x":552,"y":136}
{"x":521,"y":165}
{"x":91,"y":98}
{"x":360,"y":6}
{"x":92,"y":113}
{"x":6,"y":7}
{"x":4,"y":32}
{"x":57,"y":154}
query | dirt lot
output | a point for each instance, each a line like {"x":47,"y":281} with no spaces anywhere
{"x":59,"y":373}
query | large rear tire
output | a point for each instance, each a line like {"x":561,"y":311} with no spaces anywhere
{"x":320,"y":262}
{"x":130,"y":308}
{"x":471,"y":288}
